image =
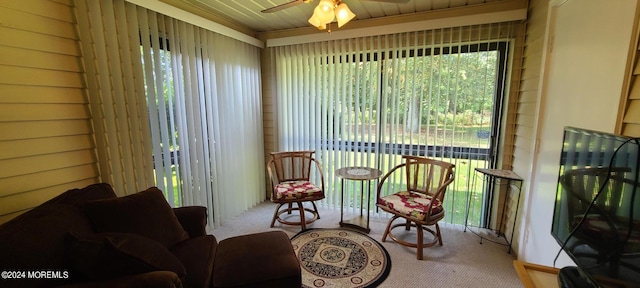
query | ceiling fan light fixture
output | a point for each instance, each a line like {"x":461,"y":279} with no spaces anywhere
{"x":327,"y":5}
{"x":323,"y":14}
{"x":343,"y":14}
{"x":315,"y":22}
{"x":329,"y":10}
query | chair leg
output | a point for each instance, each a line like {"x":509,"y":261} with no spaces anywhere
{"x":315,"y":208}
{"x":303,"y":222}
{"x":275,"y":215}
{"x":420,"y":240}
{"x":290,"y":206}
{"x":407,"y":225}
{"x":386,"y":231}
{"x":438,"y":233}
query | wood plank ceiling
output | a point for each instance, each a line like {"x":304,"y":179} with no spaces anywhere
{"x":246,"y":15}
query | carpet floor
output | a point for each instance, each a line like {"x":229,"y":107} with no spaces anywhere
{"x":461,"y":262}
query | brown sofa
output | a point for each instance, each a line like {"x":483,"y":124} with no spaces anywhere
{"x":90,"y":238}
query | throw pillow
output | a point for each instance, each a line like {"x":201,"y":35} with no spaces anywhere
{"x":146,"y":213}
{"x":111,"y":255}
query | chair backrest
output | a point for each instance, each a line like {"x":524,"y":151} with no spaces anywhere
{"x":291,"y":165}
{"x":428,"y":176}
{"x":425,"y":175}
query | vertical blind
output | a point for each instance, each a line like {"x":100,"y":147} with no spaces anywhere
{"x":197,"y":94}
{"x":367,"y":101}
{"x":117,"y":100}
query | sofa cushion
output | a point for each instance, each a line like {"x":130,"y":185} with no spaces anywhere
{"x":109,"y":255}
{"x":146,"y":213}
{"x":271,"y":251}
{"x":155,"y":279}
{"x":35,"y":240}
{"x":197,"y":254}
{"x":193,"y":219}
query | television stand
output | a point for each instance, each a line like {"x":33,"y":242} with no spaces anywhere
{"x":535,"y":275}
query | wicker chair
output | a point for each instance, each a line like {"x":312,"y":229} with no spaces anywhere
{"x":290,"y":174}
{"x":419,"y":203}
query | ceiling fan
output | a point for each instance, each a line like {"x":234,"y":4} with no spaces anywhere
{"x":298,"y":2}
{"x":327,"y":11}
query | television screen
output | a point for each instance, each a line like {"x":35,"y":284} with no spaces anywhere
{"x":596,"y":219}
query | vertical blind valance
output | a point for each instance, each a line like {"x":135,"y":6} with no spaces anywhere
{"x":445,"y":36}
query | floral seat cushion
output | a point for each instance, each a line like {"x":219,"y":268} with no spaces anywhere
{"x":411,"y":204}
{"x":297,"y":190}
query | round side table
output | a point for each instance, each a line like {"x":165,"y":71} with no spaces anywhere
{"x":362,"y":174}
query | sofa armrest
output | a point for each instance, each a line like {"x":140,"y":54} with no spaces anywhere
{"x":193,"y":219}
{"x":160,"y":279}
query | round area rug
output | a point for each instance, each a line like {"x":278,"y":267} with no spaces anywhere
{"x":340,"y":258}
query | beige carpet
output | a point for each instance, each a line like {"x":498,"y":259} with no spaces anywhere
{"x":461,"y":262}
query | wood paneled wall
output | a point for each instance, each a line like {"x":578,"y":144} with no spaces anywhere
{"x":269,"y":127}
{"x":629,"y":114}
{"x":527,"y":101}
{"x":46,"y":143}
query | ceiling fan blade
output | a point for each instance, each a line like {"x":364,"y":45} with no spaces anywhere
{"x":283,"y":6}
{"x":390,"y":1}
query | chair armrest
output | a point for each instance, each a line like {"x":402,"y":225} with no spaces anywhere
{"x":193,"y":219}
{"x":160,"y":279}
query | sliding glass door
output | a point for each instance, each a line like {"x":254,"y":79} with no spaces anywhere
{"x":444,"y":103}
{"x":368,"y":101}
{"x":205,"y":119}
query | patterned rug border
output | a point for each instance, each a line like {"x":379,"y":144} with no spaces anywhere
{"x":384,"y":273}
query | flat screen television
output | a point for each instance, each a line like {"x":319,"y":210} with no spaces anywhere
{"x":596,"y":219}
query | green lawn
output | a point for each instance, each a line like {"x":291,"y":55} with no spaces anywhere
{"x":463,"y":136}
{"x":456,"y":199}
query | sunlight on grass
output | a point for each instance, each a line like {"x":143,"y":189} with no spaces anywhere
{"x":456,"y":198}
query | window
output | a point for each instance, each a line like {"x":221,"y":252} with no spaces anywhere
{"x":204,"y":108}
{"x":161,"y":104}
{"x":368,"y":101}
